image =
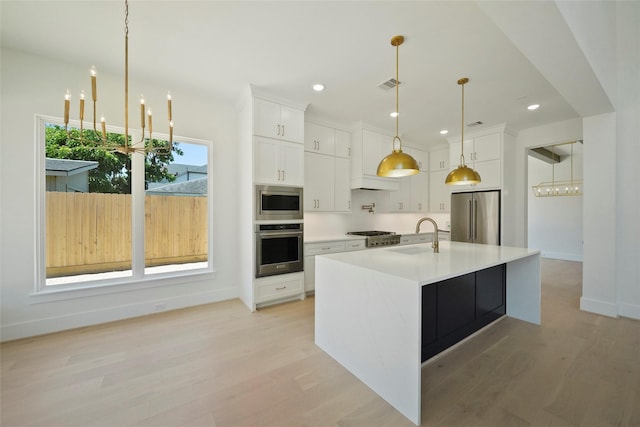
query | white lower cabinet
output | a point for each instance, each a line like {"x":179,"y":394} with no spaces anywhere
{"x":274,"y":288}
{"x":414,"y":239}
{"x":323,"y":248}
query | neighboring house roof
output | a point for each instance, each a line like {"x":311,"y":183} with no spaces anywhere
{"x":195,"y":187}
{"x":179,"y":169}
{"x":182,"y":173}
{"x":66,"y":167}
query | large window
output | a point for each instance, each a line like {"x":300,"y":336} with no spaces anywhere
{"x":102,"y":221}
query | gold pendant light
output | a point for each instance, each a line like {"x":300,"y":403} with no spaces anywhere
{"x":397,"y":164}
{"x":462,"y":175}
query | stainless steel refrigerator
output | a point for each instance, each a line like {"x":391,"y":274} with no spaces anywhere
{"x":475,"y":217}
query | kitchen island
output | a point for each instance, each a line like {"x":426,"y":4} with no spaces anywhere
{"x":369,"y":312}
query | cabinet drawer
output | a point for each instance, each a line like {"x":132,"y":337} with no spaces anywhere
{"x":324,"y":248}
{"x":355,"y":245}
{"x":272,"y":290}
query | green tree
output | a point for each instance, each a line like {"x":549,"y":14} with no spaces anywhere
{"x":113,"y":174}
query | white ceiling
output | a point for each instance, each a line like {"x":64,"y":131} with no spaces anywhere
{"x":217,"y":48}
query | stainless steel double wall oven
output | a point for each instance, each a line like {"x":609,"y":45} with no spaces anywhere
{"x":278,"y":230}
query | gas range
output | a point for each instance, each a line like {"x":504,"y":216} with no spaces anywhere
{"x":378,"y":238}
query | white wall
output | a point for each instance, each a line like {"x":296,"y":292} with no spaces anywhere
{"x":555,"y":223}
{"x":598,"y":278}
{"x":33,"y":85}
{"x":627,"y":260}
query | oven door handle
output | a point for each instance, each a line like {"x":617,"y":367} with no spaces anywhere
{"x":269,"y":234}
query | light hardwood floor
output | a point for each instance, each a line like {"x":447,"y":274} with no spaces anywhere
{"x":220,"y":365}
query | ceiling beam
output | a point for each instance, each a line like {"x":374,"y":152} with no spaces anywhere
{"x":545,"y":155}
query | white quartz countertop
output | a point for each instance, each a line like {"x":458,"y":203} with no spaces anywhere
{"x":332,"y":238}
{"x":420,"y":264}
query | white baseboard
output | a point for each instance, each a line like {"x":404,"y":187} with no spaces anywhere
{"x":599,"y":307}
{"x":561,"y":255}
{"x":77,"y":320}
{"x":629,"y":310}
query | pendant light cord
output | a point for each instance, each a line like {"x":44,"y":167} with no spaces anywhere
{"x":462,"y":82}
{"x":398,"y":91}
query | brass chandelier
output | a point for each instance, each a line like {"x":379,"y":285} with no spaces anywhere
{"x":397,"y":164}
{"x":146,"y":143}
{"x":462,"y":175}
{"x":570,"y":187}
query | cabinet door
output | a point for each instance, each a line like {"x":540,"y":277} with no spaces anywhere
{"x":342,"y":143}
{"x":267,"y":161}
{"x":454,"y":153}
{"x":419,"y":192}
{"x":456,"y":303}
{"x":318,"y":182}
{"x":429,"y":316}
{"x":489,"y":174}
{"x":371,"y":152}
{"x":487,"y":147}
{"x":490,"y":291}
{"x":292,"y":163}
{"x":266,"y":119}
{"x":291,"y":124}
{"x":439,"y":160}
{"x":318,"y":139}
{"x":309,"y":273}
{"x":400,"y":201}
{"x":342,"y":185}
{"x":439,"y":193}
{"x":419,"y":155}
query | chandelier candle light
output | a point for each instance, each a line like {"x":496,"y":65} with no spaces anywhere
{"x":397,"y":164}
{"x":462,"y":175}
{"x":145,"y":115}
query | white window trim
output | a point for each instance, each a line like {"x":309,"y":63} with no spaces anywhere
{"x":138,"y":280}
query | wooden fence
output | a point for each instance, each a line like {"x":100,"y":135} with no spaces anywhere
{"x":91,"y":232}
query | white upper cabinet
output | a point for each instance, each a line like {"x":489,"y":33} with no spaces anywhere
{"x":342,"y":146}
{"x":483,"y":153}
{"x":278,"y":162}
{"x":420,"y":156}
{"x":439,"y":192}
{"x":420,"y":192}
{"x":400,"y":201}
{"x":319,"y":139}
{"x":368,"y":148}
{"x":319,"y":181}
{"x":278,"y":121}
{"x":372,"y":151}
{"x":327,"y":169}
{"x":413,"y":193}
{"x":439,"y":160}
{"x":342,"y":186}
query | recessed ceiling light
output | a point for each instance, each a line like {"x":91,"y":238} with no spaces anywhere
{"x":444,"y":132}
{"x":533,"y":107}
{"x":394,"y":114}
{"x":318,"y":87}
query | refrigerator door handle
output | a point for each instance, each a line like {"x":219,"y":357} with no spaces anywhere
{"x":475,"y":220}
{"x":470,"y":228}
